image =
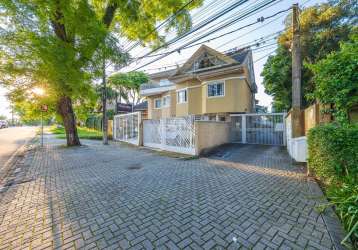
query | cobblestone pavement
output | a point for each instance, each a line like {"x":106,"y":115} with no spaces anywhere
{"x":121,"y":197}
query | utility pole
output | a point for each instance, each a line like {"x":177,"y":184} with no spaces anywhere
{"x":104,"y":103}
{"x":296,"y":113}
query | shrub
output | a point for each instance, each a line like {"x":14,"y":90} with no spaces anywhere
{"x":333,"y":152}
{"x":344,"y":198}
{"x":333,"y":158}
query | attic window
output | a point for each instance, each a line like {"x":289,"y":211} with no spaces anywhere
{"x":206,"y":61}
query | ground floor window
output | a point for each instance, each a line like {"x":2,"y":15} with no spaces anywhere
{"x":166,"y":101}
{"x":158,"y":103}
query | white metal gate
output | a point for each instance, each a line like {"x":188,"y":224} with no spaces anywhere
{"x":258,"y":128}
{"x":176,"y":134}
{"x":126,"y":127}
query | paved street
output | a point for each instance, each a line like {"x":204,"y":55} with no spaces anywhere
{"x":11,"y":139}
{"x":121,"y":197}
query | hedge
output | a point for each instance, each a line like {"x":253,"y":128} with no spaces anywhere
{"x":333,"y":159}
{"x":333,"y":152}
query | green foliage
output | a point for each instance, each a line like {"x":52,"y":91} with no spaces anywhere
{"x":128,"y":84}
{"x":83,"y":133}
{"x":336,"y":79}
{"x":333,"y":158}
{"x":333,"y":152}
{"x":129,"y":80}
{"x":323,"y":27}
{"x":3,"y":117}
{"x":344,"y":198}
{"x":277,"y":78}
{"x":63,"y":45}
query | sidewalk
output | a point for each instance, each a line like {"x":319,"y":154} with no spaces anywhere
{"x":121,"y":197}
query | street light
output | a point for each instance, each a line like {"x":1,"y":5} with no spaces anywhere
{"x":40,"y":92}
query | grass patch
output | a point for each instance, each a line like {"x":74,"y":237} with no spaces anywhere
{"x":83,"y":133}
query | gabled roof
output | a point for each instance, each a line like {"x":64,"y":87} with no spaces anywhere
{"x":203,"y":49}
{"x":239,"y":55}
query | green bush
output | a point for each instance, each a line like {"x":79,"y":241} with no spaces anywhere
{"x":333,"y":159}
{"x":344,"y":198}
{"x":333,"y":152}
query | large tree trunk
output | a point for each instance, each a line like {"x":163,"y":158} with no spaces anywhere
{"x":64,"y":108}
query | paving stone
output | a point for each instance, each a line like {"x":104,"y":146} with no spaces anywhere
{"x":90,"y":198}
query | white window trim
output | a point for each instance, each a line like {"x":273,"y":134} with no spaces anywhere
{"x":160,"y":103}
{"x":168,"y":105}
{"x":213,"y":83}
{"x":179,"y":90}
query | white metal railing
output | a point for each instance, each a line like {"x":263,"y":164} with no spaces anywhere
{"x":175,"y":134}
{"x":126,"y":127}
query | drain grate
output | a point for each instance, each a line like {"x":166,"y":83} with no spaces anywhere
{"x":135,"y":166}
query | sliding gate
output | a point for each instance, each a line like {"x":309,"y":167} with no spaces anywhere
{"x":258,"y":128}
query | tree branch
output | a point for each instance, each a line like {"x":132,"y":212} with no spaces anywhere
{"x":109,"y":14}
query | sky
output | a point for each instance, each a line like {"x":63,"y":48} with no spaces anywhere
{"x":237,"y":39}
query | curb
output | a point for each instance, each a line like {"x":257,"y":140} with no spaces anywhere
{"x":11,"y":162}
{"x":331,"y":220}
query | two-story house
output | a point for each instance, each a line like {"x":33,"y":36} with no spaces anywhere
{"x":210,"y":85}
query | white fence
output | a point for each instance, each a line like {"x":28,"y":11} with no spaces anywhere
{"x":126,"y":128}
{"x":176,"y":134}
{"x":258,"y":128}
{"x":296,"y":147}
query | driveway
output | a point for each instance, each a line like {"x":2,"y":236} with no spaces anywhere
{"x":121,"y":197}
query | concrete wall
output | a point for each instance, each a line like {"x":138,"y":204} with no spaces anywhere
{"x":210,"y":134}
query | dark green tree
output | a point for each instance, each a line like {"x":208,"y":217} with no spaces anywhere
{"x":54,"y":44}
{"x":336,"y":78}
{"x":322,"y":28}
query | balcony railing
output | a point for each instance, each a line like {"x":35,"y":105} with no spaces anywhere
{"x":153,"y":85}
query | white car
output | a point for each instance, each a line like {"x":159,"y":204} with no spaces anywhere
{"x":3,"y":124}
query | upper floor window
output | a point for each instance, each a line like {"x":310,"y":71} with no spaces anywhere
{"x":182,"y":96}
{"x":166,"y":101}
{"x":158,"y":103}
{"x":216,"y":89}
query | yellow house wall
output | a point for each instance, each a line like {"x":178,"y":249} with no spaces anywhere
{"x":152,"y":112}
{"x":237,"y":98}
{"x":194,"y":97}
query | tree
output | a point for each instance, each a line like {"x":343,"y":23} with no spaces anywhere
{"x":128,"y":85}
{"x":3,"y":117}
{"x":322,"y":27}
{"x":336,"y":78}
{"x":54,"y":44}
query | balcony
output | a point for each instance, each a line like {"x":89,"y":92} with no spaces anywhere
{"x":153,"y":88}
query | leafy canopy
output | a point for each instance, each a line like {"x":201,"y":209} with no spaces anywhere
{"x":322,"y":28}
{"x":336,"y":79}
{"x":57,"y":45}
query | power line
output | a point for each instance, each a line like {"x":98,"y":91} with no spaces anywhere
{"x":239,"y":50}
{"x":199,"y":38}
{"x":163,"y":23}
{"x":200,"y":25}
{"x":268,"y":54}
{"x":261,"y":19}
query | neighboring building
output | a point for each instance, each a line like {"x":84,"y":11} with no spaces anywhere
{"x":210,"y":85}
{"x":124,"y":108}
